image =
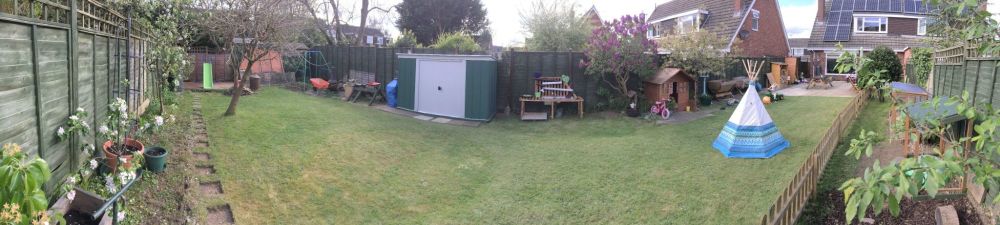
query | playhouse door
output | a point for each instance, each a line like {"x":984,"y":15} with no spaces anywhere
{"x":440,"y":87}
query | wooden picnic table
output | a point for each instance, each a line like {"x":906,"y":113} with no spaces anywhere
{"x":552,"y":102}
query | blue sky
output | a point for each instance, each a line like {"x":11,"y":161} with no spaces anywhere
{"x":798,"y":17}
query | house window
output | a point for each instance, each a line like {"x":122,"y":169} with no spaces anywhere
{"x":755,"y":22}
{"x":370,"y":39}
{"x":687,"y":24}
{"x":871,"y":24}
{"x":798,"y":51}
{"x":922,"y":26}
{"x":831,"y":65}
{"x":652,"y":31}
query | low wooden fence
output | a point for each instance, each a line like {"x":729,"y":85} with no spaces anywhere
{"x":787,"y":208}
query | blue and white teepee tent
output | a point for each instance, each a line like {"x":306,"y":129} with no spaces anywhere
{"x":750,"y":132}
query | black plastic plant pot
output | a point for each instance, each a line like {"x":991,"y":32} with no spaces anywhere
{"x":156,"y":159}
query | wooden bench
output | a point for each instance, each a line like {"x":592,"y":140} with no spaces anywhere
{"x":553,"y":91}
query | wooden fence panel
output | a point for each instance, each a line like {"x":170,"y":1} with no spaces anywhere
{"x":984,"y":85}
{"x":53,"y":75}
{"x":102,"y":74}
{"x":17,"y":88}
{"x":85,"y":83}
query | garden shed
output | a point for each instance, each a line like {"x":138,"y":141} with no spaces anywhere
{"x":455,"y":86}
{"x":671,"y":83}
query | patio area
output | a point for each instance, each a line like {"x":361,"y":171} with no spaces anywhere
{"x":839,"y":89}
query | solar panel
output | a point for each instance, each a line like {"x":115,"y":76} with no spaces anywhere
{"x":896,"y":6}
{"x":915,"y":6}
{"x":840,"y":19}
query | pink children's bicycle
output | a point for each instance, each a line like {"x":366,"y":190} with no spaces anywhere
{"x":660,"y":108}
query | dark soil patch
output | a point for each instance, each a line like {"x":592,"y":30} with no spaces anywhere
{"x":201,"y":156}
{"x":74,"y":217}
{"x":911,"y":212}
{"x":210,"y":188}
{"x":155,"y":151}
{"x":220,"y":215}
{"x":205,"y":170}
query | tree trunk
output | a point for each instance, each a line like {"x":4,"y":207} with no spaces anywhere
{"x":363,"y":34}
{"x":339,"y":36}
{"x":238,"y":89}
{"x":319,"y":26}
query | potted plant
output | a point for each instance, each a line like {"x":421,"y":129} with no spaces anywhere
{"x":155,"y":159}
{"x":122,"y":135}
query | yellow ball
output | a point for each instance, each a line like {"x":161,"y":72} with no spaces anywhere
{"x":767,"y":100}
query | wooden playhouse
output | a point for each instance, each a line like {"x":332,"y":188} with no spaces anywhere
{"x":671,"y":83}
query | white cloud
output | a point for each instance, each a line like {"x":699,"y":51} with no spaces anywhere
{"x":799,"y":19}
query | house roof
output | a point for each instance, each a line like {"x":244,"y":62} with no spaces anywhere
{"x":593,"y":17}
{"x":348,"y":29}
{"x":666,"y":74}
{"x":798,"y":42}
{"x":866,"y":41}
{"x":721,"y":19}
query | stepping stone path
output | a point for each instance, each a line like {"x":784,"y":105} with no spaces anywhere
{"x":220,"y":214}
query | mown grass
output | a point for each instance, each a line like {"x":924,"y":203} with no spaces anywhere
{"x":288,"y":158}
{"x":841,"y":167}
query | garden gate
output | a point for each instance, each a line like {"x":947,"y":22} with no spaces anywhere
{"x":59,"y":55}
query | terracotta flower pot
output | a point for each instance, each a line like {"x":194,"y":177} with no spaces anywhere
{"x":111,"y":159}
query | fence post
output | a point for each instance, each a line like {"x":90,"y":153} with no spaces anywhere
{"x":73,"y":79}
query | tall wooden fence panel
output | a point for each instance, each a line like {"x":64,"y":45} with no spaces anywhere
{"x":955,"y":74}
{"x":516,"y":76}
{"x":58,"y":56}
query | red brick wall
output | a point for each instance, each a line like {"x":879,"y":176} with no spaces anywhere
{"x":902,"y":26}
{"x":769,"y":39}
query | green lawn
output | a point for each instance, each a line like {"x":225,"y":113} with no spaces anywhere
{"x":288,"y":158}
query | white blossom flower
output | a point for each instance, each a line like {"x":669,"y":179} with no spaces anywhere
{"x":74,"y":118}
{"x":61,"y":131}
{"x":93,"y":164}
{"x":123,"y":177}
{"x":123,"y":159}
{"x":71,"y":195}
{"x":80,"y":109}
{"x":158,"y":120}
{"x":103,"y":129}
{"x":123,"y":107}
{"x":112,"y":188}
{"x":71,"y":180}
{"x":85,"y":124}
{"x":121,"y":216}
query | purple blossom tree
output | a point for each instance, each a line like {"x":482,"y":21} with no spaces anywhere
{"x":620,"y":48}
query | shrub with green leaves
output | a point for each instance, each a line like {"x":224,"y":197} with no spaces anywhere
{"x":406,"y":40}
{"x":922,"y":61}
{"x":456,"y":41}
{"x":21,"y":182}
{"x":883,"y":58}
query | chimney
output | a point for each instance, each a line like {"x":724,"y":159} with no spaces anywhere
{"x":738,"y":8}
{"x":821,"y":10}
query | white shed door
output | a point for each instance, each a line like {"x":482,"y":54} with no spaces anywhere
{"x":441,"y":87}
